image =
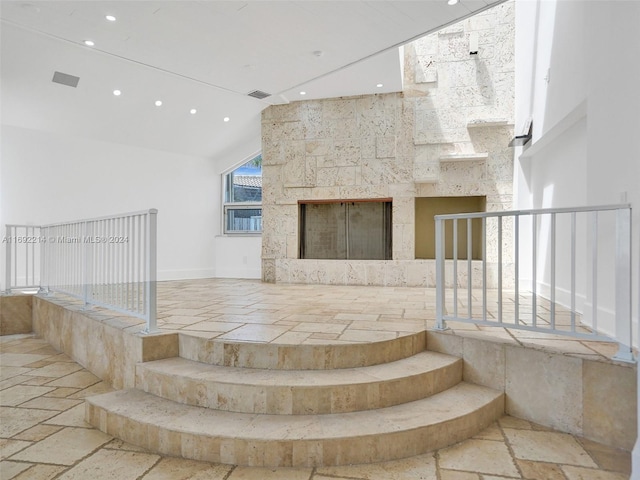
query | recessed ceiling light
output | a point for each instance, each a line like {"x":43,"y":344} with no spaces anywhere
{"x":89,"y":43}
{"x":193,"y":111}
{"x":111,"y":18}
{"x":158,"y":103}
{"x":303,"y":93}
{"x":452,"y":2}
{"x":379,"y":85}
{"x":226,"y":119}
{"x":117,"y":93}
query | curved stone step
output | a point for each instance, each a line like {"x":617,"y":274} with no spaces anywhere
{"x":299,"y":357}
{"x":198,"y":433}
{"x":298,"y":392}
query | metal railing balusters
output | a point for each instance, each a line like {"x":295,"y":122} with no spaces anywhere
{"x":108,"y":262}
{"x":618,"y":320}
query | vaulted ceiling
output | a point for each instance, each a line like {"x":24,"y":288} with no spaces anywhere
{"x":202,"y":55}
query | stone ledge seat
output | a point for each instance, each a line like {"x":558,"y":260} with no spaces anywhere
{"x":389,"y":433}
{"x":290,"y":392}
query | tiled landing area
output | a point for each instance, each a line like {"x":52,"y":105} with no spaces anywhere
{"x":43,"y":436}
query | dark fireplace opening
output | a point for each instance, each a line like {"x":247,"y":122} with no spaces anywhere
{"x":345,"y":229}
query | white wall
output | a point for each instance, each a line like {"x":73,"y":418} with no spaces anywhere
{"x":237,"y":256}
{"x":49,"y":177}
{"x":585,"y":113}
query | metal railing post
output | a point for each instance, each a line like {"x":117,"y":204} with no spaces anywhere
{"x":151,"y":274}
{"x":440,"y":290}
{"x":623,"y":330}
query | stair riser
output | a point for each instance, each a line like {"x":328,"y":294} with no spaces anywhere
{"x":298,"y":453}
{"x":287,"y":400}
{"x":299,"y":357}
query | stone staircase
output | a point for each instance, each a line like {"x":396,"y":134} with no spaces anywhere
{"x":297,"y":405}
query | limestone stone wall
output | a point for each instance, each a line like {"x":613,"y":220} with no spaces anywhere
{"x":446,"y":134}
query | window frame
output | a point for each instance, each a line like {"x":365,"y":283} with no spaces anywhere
{"x":226,"y":206}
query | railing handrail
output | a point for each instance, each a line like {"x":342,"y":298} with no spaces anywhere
{"x":538,"y":211}
{"x":97,"y":219}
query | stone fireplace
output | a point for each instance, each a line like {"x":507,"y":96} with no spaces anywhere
{"x":444,"y":137}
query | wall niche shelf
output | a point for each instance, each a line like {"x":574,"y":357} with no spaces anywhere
{"x":489,"y":122}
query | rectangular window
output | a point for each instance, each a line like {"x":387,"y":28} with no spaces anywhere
{"x":243,"y":198}
{"x":355,"y":230}
{"x":242,"y":219}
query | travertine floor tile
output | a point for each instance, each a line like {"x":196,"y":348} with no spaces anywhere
{"x":65,"y":447}
{"x":420,"y":467}
{"x":454,"y":475}
{"x":19,"y":359}
{"x":581,"y":473}
{"x":9,"y":469}
{"x":366,"y":336}
{"x":181,"y":469}
{"x":57,"y":369}
{"x":40,"y":472}
{"x":51,"y":403}
{"x":111,"y":464}
{"x":96,"y":389}
{"x":484,"y":456}
{"x":12,"y":396}
{"x":9,"y":447}
{"x":248,"y":473}
{"x":37,"y":433}
{"x":74,"y":417}
{"x":63,"y":392}
{"x":255,"y":333}
{"x":514,"y":422}
{"x":81,"y":380}
{"x":15,"y":420}
{"x":540,"y":471}
{"x":551,"y":447}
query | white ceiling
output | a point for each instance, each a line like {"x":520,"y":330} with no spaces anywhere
{"x":206,"y":55}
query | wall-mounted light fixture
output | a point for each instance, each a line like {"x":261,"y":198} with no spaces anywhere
{"x":525,"y":134}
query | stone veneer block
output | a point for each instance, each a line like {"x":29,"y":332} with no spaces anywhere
{"x":102,"y":344}
{"x":610,"y":403}
{"x":15,"y":314}
{"x":544,"y":388}
{"x":484,"y":363}
{"x":594,"y":399}
{"x":159,"y":346}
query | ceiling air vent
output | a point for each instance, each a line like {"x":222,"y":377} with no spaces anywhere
{"x":259,"y":94}
{"x":65,"y":79}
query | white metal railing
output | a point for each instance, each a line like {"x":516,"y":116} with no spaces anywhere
{"x":108,"y":261}
{"x":572,"y":283}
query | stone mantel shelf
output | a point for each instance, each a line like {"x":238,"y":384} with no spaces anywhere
{"x":464,"y":157}
{"x":489,"y":122}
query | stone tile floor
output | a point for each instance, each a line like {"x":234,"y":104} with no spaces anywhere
{"x":249,"y":310}
{"x":43,"y":436}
